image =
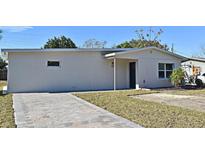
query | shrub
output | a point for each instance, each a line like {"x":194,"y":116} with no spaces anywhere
{"x":177,"y":77}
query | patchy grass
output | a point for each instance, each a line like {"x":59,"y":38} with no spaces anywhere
{"x":196,"y":92}
{"x":147,"y":114}
{"x":6,"y":109}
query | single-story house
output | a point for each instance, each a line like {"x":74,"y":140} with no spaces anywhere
{"x":196,"y":64}
{"x":54,"y":70}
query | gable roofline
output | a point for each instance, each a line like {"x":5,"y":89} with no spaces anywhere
{"x":133,"y":50}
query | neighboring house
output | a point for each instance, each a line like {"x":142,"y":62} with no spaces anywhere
{"x":195,"y":64}
{"x":53,"y":70}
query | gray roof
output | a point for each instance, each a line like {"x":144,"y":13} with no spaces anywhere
{"x":200,"y":59}
{"x":64,"y":50}
{"x":103,"y":50}
{"x":130,"y":50}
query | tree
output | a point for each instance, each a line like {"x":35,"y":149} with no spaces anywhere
{"x":93,"y":43}
{"x":60,"y":42}
{"x":145,"y":39}
{"x":177,"y":77}
{"x":125,"y":44}
{"x":3,"y":64}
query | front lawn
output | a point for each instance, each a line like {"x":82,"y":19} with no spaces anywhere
{"x":147,"y":114}
{"x":6,"y":109}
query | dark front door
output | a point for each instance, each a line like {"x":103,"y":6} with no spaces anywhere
{"x":132,"y":75}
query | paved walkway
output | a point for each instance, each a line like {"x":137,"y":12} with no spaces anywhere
{"x":62,"y":110}
{"x":191,"y":102}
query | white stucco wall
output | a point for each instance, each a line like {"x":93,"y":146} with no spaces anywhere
{"x":196,"y":63}
{"x":122,"y":74}
{"x":148,"y":67}
{"x":28,"y":72}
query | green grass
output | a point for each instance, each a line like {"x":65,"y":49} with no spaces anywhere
{"x":147,"y":114}
{"x":6,"y":109}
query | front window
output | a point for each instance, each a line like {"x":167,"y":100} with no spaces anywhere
{"x":165,"y":70}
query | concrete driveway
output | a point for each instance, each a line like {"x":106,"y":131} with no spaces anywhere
{"x":62,"y":110}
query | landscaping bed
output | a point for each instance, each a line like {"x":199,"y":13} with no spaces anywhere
{"x":145,"y":113}
{"x":6,"y":109}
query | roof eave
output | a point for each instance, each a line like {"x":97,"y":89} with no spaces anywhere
{"x":63,"y":50}
{"x":142,"y":49}
{"x":110,"y":55}
{"x":195,"y":59}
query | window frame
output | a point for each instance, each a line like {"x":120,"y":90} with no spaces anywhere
{"x":54,"y":61}
{"x":165,"y":70}
{"x":53,"y":67}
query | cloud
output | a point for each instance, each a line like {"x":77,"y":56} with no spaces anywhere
{"x":15,"y":28}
